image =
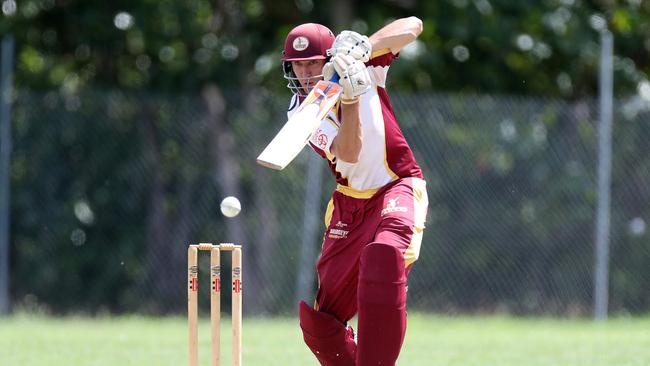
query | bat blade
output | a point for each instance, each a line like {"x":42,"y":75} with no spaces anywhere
{"x":295,"y":134}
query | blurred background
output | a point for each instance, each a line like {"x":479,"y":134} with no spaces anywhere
{"x":125,"y":123}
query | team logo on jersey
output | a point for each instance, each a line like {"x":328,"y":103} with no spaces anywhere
{"x":338,"y":234}
{"x":392,"y":206}
{"x":300,"y":43}
{"x":321,"y":139}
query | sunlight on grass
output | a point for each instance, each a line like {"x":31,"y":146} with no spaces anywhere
{"x":431,"y":340}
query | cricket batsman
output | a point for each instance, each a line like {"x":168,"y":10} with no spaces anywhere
{"x":375,"y":218}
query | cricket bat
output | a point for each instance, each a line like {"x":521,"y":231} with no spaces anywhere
{"x":295,"y":134}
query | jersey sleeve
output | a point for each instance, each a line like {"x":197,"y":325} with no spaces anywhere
{"x":378,"y":66}
{"x":325,"y":134}
{"x":321,"y":139}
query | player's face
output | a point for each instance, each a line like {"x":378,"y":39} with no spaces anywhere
{"x":309,"y":72}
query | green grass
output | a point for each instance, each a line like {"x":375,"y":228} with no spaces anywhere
{"x":37,"y":340}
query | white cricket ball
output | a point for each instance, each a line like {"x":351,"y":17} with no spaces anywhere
{"x":230,"y":206}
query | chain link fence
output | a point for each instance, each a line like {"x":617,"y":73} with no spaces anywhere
{"x":108,"y":188}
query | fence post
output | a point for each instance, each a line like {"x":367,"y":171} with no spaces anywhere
{"x":6,"y":70}
{"x":306,"y":269}
{"x":601,"y":270}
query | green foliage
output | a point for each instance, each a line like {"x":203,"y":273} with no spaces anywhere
{"x":525,"y":47}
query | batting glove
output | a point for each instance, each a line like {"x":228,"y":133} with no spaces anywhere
{"x":354,"y":76}
{"x":352,"y":44}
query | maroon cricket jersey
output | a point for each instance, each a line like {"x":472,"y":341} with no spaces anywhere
{"x":385,"y":155}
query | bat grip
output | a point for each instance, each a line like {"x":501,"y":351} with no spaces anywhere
{"x":335,"y":78}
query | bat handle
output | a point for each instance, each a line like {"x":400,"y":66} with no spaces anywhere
{"x":335,"y":78}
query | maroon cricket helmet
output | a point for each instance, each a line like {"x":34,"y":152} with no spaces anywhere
{"x":308,"y":41}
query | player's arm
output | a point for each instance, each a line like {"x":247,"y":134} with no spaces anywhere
{"x":397,"y":34}
{"x":346,"y":146}
{"x":355,"y":80}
